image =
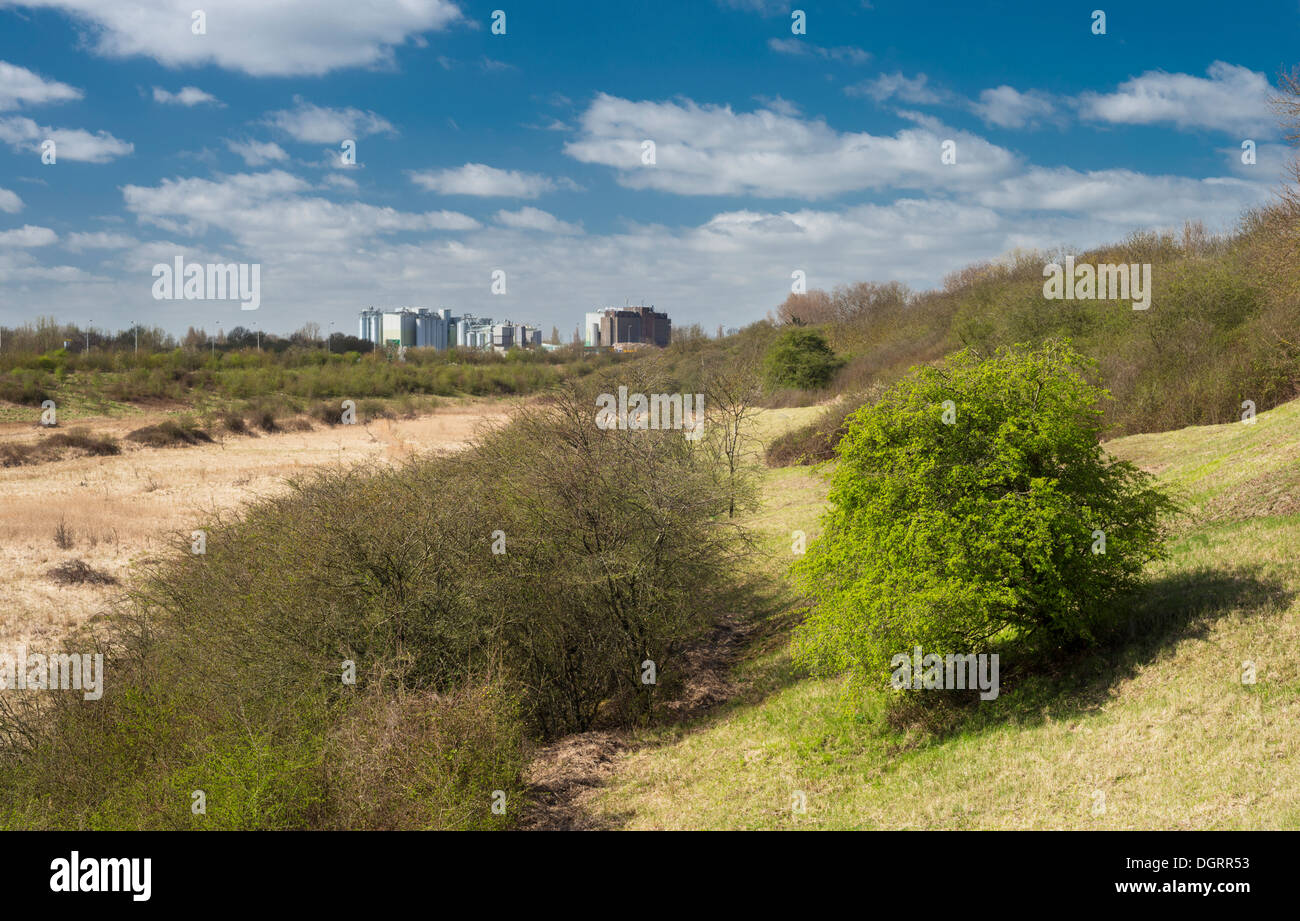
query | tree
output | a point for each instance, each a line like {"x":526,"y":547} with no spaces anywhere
{"x":800,"y":358}
{"x":974,"y":502}
{"x":807,"y":309}
{"x":868,"y":301}
{"x":1277,"y":227}
{"x":693,"y":333}
{"x":1286,"y":103}
{"x":732,"y":389}
{"x":308,"y":334}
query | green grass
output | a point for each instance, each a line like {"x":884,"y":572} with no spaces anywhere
{"x":1227,"y":471}
{"x":1155,"y":730}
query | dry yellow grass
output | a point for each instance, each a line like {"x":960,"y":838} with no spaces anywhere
{"x":120,"y":509}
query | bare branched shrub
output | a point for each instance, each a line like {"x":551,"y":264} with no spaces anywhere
{"x":420,"y":760}
{"x":63,"y":538}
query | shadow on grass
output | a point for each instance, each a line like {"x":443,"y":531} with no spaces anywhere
{"x":736,"y":660}
{"x":1037,"y":686}
{"x":1057,"y":683}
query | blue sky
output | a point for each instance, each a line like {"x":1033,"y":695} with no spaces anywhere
{"x":522,"y":152}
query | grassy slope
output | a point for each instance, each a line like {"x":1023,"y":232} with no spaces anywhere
{"x":1156,"y":732}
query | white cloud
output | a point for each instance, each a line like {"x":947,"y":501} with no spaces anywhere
{"x":194,"y":203}
{"x":914,"y":90}
{"x":536,"y":219}
{"x":1272,"y":161}
{"x":19,"y":270}
{"x":284,"y":38}
{"x":313,"y":124}
{"x":801,"y":48}
{"x":1007,"y":107}
{"x":326,"y":260}
{"x":188,"y":96}
{"x":271,"y":212}
{"x":1233,"y":99}
{"x":78,"y":242}
{"x":1125,"y":199}
{"x":339,"y":181}
{"x":10,"y":203}
{"x":780,"y":105}
{"x":19,"y":86}
{"x":1003,"y":106}
{"x":28,"y":235}
{"x":23,"y":134}
{"x":257,"y":153}
{"x":484,"y":181}
{"x":711,"y":150}
{"x":762,"y":7}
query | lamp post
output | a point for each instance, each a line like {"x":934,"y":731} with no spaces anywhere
{"x":88,"y":324}
{"x":137,"y":336}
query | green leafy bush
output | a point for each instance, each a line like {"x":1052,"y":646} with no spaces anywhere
{"x":27,"y":389}
{"x":800,"y":358}
{"x":966,"y":509}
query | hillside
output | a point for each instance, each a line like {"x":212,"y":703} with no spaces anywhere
{"x":1155,"y":731}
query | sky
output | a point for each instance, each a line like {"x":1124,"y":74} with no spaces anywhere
{"x":501,"y":164}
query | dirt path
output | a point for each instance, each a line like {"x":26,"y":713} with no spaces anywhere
{"x":117,"y":511}
{"x":565,"y":775}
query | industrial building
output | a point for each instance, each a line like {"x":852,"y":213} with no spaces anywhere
{"x":474,"y":332}
{"x":420,"y":327}
{"x":615,"y":327}
{"x":408,"y":326}
{"x":515,"y":335}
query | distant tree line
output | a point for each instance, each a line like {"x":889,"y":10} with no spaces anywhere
{"x":47,"y":334}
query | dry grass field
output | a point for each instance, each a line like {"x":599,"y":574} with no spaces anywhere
{"x":117,"y":511}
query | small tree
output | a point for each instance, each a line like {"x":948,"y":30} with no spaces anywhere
{"x":732,"y":389}
{"x":973,"y":502}
{"x":800,"y":358}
